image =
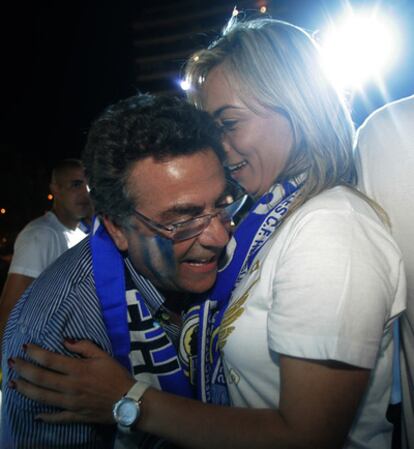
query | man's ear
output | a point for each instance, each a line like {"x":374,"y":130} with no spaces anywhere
{"x":117,"y":233}
{"x":54,"y":189}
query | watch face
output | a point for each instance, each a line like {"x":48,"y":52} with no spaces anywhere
{"x":126,"y":412}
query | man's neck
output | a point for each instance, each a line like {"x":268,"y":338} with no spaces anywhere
{"x":176,"y":301}
{"x":157,"y":299}
{"x":63,"y":217}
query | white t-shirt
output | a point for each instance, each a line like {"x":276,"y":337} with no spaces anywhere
{"x":41,"y":242}
{"x":322,"y":288}
{"x":385,"y":152}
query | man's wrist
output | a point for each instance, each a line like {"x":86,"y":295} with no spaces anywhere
{"x":127,"y":411}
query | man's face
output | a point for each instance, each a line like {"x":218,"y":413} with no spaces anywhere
{"x":167,"y":192}
{"x":70,"y":191}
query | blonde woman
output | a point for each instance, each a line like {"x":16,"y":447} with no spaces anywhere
{"x":296,"y":335}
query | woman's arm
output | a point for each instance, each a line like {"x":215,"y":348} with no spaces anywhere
{"x":317,"y":405}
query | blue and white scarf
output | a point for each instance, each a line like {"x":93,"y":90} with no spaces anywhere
{"x":199,"y":349}
{"x":109,"y":275}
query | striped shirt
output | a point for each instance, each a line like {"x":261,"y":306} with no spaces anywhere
{"x":62,"y":303}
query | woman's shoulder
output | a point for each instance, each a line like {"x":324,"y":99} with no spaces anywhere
{"x":339,"y":214}
{"x":341,"y":201}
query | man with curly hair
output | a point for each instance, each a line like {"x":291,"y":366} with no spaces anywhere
{"x":164,"y":212}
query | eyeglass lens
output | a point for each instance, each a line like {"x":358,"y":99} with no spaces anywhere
{"x":196,"y":226}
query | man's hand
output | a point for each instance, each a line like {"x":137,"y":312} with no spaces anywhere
{"x":85,"y":388}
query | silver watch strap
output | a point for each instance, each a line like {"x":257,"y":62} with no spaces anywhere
{"x":137,"y":390}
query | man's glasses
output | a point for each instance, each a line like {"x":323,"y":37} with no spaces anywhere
{"x":187,"y":229}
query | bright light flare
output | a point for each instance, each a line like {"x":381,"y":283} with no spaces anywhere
{"x":185,"y":85}
{"x":360,"y":48}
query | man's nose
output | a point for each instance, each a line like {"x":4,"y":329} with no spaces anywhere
{"x":216,"y":234}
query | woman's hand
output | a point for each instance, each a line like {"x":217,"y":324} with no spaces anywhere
{"x":86,"y":388}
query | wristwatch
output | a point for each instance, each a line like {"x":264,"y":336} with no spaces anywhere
{"x":127,"y":410}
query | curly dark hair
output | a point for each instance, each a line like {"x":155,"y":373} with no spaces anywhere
{"x":136,"y":128}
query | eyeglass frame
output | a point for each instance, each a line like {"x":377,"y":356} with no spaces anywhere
{"x":162,"y":229}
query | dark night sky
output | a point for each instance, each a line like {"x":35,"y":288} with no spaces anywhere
{"x":62,"y":62}
{"x":61,"y":66}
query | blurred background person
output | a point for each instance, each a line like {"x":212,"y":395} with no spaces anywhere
{"x":385,"y":153}
{"x":44,"y":239}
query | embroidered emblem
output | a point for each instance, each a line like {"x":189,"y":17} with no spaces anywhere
{"x":255,"y":267}
{"x":188,"y":347}
{"x":231,"y":315}
{"x":233,"y":377}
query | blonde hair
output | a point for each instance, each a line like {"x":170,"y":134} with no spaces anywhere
{"x":278,"y":66}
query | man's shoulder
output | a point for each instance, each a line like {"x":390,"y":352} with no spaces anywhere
{"x":47,"y":219}
{"x":36,"y":247}
{"x":74,"y":266}
{"x":41,"y":225}
{"x":69,"y":275}
{"x":65,"y":289}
